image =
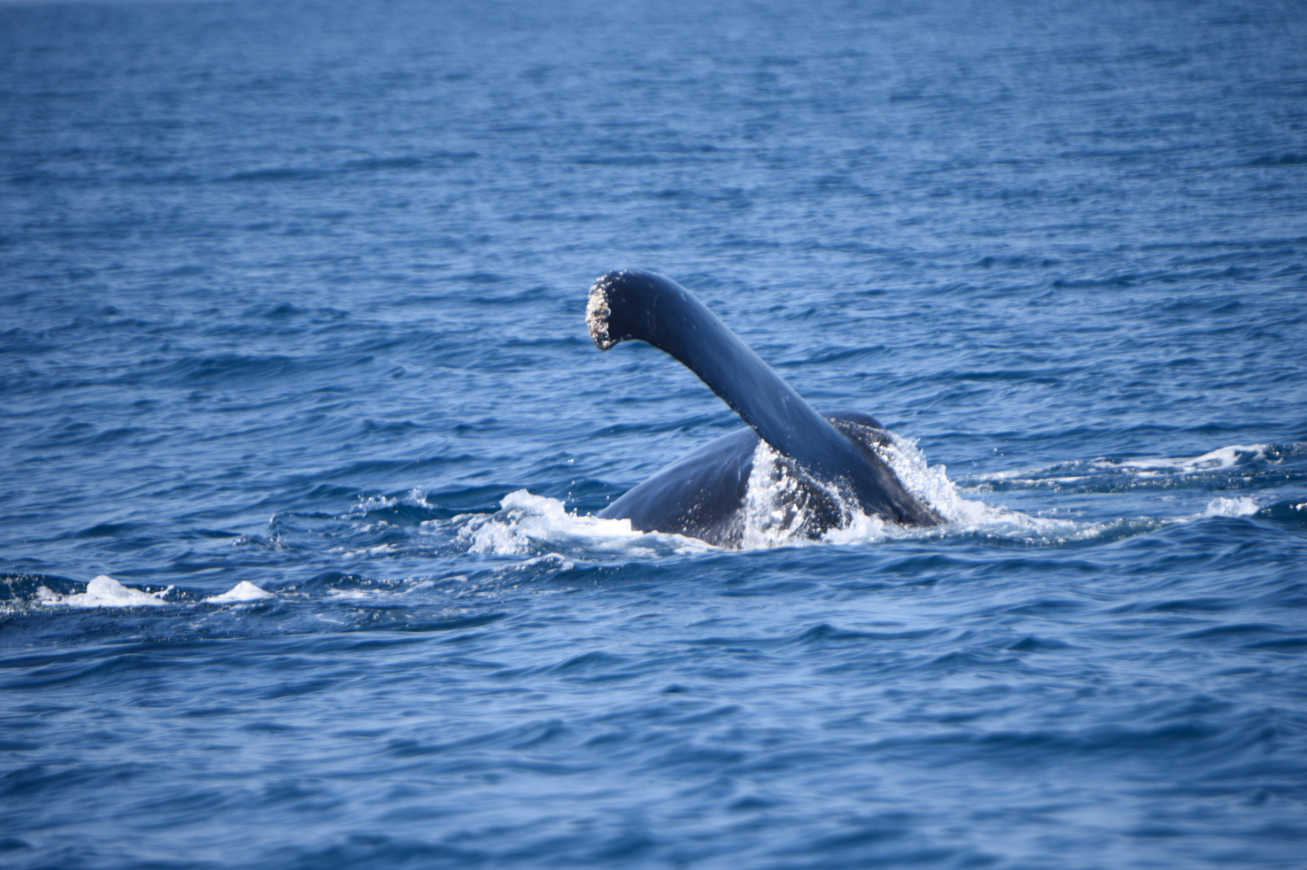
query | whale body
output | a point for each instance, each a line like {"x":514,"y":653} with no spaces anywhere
{"x":830,"y":459}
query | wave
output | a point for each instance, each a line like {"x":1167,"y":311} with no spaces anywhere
{"x":1223,"y":464}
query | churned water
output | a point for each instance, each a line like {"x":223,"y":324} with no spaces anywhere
{"x":303,"y":434}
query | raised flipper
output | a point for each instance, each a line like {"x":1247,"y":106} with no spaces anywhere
{"x":638,"y":305}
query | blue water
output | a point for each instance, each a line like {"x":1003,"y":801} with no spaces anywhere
{"x":293,"y":296}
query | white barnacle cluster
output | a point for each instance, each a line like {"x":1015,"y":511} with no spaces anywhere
{"x":597,"y":312}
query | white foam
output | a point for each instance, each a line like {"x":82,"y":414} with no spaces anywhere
{"x":358,"y":594}
{"x":365,"y":552}
{"x":373,"y":503}
{"x":417,"y":498}
{"x":862,"y":529}
{"x":242,"y":591}
{"x":1231,"y":507}
{"x":526,"y":522}
{"x":1144,"y":467}
{"x":104,"y":591}
{"x":1215,"y":460}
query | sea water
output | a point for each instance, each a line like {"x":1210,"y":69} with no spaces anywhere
{"x":303,"y":435}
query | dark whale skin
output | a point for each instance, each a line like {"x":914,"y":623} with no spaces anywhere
{"x":703,"y":494}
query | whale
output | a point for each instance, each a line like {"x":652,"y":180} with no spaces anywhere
{"x":830,"y":462}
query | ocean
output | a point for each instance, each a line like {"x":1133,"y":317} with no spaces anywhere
{"x":303,"y":434}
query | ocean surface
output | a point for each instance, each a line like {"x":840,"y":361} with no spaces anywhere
{"x":302,"y":434}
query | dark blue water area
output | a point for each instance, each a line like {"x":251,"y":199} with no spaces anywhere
{"x":303,"y":434}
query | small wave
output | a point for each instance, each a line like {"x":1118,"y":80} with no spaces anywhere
{"x":1292,"y":513}
{"x":1290,"y":159}
{"x":279,"y":173}
{"x":1221,"y":458}
{"x":1231,"y":507}
{"x":243,"y":591}
{"x":1112,"y":473}
{"x":105,"y":592}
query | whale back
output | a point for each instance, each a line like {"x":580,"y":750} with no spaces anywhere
{"x":704,"y":494}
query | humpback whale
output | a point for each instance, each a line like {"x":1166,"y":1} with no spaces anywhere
{"x":830,"y":459}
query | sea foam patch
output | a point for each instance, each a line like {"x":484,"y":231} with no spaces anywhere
{"x":1213,"y":460}
{"x":527,"y":522}
{"x":104,"y":591}
{"x":242,"y":591}
{"x":1241,"y":506}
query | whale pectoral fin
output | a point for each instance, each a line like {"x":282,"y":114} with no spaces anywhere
{"x":636,"y":305}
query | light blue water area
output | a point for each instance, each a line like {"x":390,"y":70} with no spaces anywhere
{"x":293,"y":295}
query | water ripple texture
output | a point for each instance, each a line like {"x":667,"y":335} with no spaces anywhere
{"x":304,"y":437}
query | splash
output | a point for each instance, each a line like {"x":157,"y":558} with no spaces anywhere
{"x":931,"y":485}
{"x":783,"y":506}
{"x":527,"y":524}
{"x":1231,"y":507}
{"x":244,"y":591}
{"x":104,"y":591}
